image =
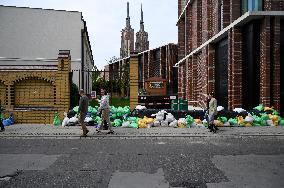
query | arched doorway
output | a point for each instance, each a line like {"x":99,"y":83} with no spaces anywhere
{"x":33,"y":92}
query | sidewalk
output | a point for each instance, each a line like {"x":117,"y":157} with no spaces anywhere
{"x":51,"y":131}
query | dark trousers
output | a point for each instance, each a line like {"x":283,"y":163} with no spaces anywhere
{"x":1,"y":125}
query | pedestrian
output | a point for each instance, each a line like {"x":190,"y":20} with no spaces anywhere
{"x":104,"y":110}
{"x":212,"y":112}
{"x":83,"y":109}
{"x":1,"y":120}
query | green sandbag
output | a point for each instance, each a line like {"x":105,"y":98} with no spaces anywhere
{"x":117,"y":123}
{"x":263,"y":123}
{"x":90,"y":109}
{"x":222,"y":119}
{"x":259,"y":107}
{"x":233,"y":121}
{"x":189,"y":121}
{"x":56,"y":120}
{"x":256,"y":124}
{"x":94,"y":111}
{"x":133,"y":119}
{"x":281,"y":122}
{"x":256,"y":120}
{"x":275,"y":112}
{"x":98,"y":119}
{"x":134,"y":125}
{"x":264,"y":117}
{"x":76,"y":109}
{"x":113,"y":116}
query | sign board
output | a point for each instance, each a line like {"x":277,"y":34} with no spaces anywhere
{"x":156,"y":85}
{"x":93,"y":94}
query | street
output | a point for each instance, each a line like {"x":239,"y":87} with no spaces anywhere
{"x":149,"y":162}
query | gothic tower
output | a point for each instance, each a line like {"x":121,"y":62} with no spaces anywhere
{"x":142,"y":42}
{"x":127,"y":38}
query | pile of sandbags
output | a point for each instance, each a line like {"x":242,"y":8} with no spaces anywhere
{"x":146,"y":122}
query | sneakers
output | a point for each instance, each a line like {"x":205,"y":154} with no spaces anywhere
{"x":111,"y":132}
{"x":85,"y":134}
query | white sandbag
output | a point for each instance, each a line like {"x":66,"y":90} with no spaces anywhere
{"x":65,"y":121}
{"x":227,"y":124}
{"x":125,"y":124}
{"x":239,"y":110}
{"x":150,"y":125}
{"x":164,"y":123}
{"x":270,"y":122}
{"x":204,"y":121}
{"x":74,"y":119}
{"x":201,"y":126}
{"x":194,"y":125}
{"x":170,"y":118}
{"x":182,"y":120}
{"x":174,"y":124}
{"x":139,"y":107}
{"x":160,"y":117}
{"x":220,"y":108}
{"x":157,"y":124}
{"x":88,"y":119}
{"x":249,"y":119}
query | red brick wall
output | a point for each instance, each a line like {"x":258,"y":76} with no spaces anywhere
{"x":265,"y":62}
{"x":235,"y":9}
{"x":274,"y":5}
{"x":196,"y":24}
{"x":181,"y":38}
{"x":206,"y":20}
{"x":235,"y":68}
{"x":270,"y":62}
{"x":215,"y":16}
{"x":276,"y":64}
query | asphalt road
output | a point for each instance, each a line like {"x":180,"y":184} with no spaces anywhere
{"x":134,"y":163}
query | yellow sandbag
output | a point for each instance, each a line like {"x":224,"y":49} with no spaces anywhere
{"x":240,"y":119}
{"x":197,"y":121}
{"x":267,"y":108}
{"x":248,"y":124}
{"x":181,"y":125}
{"x":218,"y":123}
{"x":274,"y":118}
{"x":149,"y":120}
{"x":142,"y":125}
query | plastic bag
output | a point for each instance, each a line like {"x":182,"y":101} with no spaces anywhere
{"x":270,"y":122}
{"x":259,"y":107}
{"x":134,"y":125}
{"x":173,"y":124}
{"x":218,"y":123}
{"x":56,"y":120}
{"x":157,"y":124}
{"x":233,"y":121}
{"x":76,"y":109}
{"x":170,"y":118}
{"x":239,"y":110}
{"x":117,"y":123}
{"x":220,"y":108}
{"x":125,"y":124}
{"x":65,"y":121}
{"x":222,"y":119}
{"x":281,"y":122}
{"x":249,"y":119}
{"x":189,"y":121}
{"x":7,"y":122}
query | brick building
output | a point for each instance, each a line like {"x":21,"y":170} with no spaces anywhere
{"x":233,"y":48}
{"x":152,"y":63}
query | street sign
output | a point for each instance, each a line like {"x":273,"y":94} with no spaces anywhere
{"x":93,"y":94}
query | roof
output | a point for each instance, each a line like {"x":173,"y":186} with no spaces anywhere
{"x":41,"y":9}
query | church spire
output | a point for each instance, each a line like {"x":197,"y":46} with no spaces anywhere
{"x":141,"y":21}
{"x":128,"y":17}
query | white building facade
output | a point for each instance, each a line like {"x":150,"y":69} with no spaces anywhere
{"x":33,"y":35}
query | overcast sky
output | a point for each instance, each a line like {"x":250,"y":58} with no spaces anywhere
{"x":106,"y":18}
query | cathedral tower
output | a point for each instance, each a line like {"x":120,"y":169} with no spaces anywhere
{"x":127,"y":38}
{"x":142,"y":42}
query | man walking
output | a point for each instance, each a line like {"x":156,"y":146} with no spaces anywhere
{"x":83,"y":109}
{"x":212,"y":112}
{"x":104,"y":108}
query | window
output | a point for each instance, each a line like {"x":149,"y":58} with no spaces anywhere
{"x":251,"y":5}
